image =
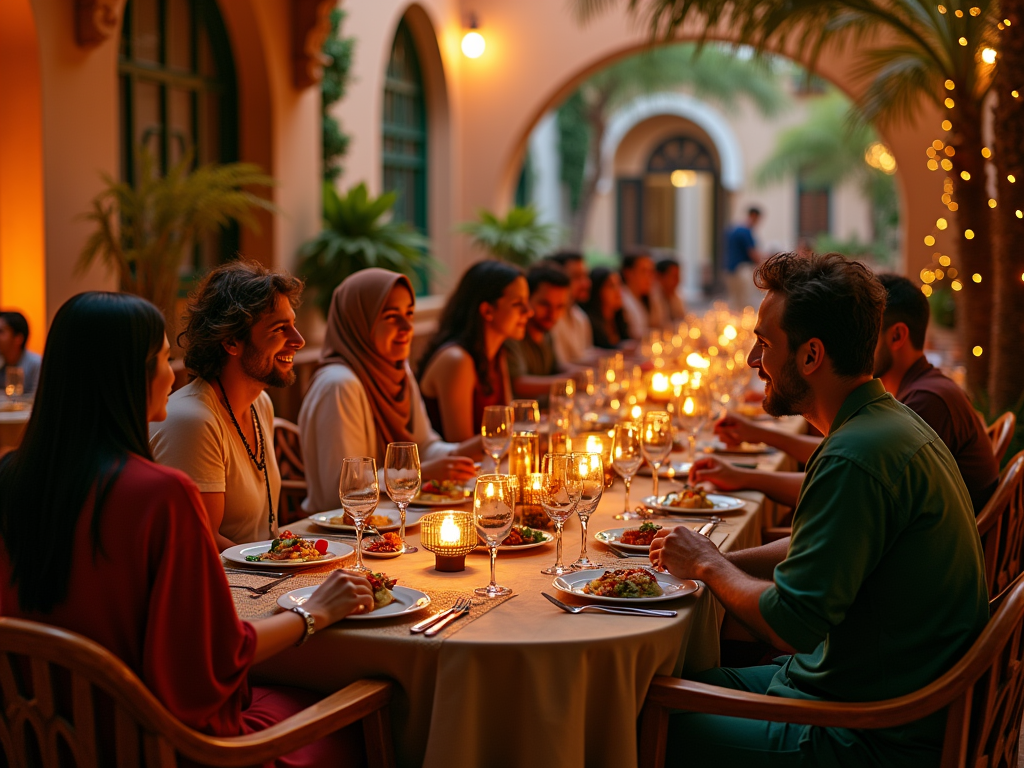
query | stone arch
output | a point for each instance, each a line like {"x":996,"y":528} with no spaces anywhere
{"x":682,"y":105}
{"x":22,"y":225}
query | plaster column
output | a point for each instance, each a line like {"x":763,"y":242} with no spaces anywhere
{"x":545,"y":161}
{"x":694,"y":232}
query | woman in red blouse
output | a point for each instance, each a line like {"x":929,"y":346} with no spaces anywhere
{"x":101,"y":541}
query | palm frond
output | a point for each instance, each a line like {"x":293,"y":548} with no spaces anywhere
{"x":518,"y":238}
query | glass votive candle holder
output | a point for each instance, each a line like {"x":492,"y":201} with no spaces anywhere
{"x":598,"y":442}
{"x":531,"y":513}
{"x":450,"y":535}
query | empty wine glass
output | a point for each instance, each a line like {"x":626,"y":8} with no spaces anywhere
{"x":359,"y":494}
{"x":626,"y":459}
{"x":693,"y":409}
{"x":562,"y":393}
{"x":496,"y":430}
{"x":586,"y":391}
{"x":402,"y":479}
{"x":525,"y":415}
{"x":591,"y":471}
{"x":15,"y":381}
{"x":493,"y":512}
{"x":656,"y":441}
{"x":560,"y":430}
{"x":561,"y":489}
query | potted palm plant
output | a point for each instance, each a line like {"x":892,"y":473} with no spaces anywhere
{"x":518,"y":238}
{"x":143,"y":231}
{"x":358,"y":234}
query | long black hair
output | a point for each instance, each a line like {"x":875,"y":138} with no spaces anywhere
{"x":89,"y":414}
{"x":595,"y":311}
{"x":461,"y":321}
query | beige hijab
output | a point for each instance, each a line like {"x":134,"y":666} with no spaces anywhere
{"x":355,"y":307}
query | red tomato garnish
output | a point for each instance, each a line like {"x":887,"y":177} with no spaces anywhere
{"x":321,"y":546}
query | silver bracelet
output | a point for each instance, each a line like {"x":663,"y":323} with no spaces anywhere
{"x":310,"y":626}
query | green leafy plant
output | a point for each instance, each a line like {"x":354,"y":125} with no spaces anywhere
{"x":518,"y":238}
{"x":357,"y":234}
{"x":143,"y":232}
{"x":332,"y":89}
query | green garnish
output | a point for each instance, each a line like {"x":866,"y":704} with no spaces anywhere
{"x":646,"y":527}
{"x":529,"y":535}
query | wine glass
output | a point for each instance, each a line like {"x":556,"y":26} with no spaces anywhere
{"x":560,"y":492}
{"x":525,"y":415}
{"x":586,"y":392}
{"x":560,"y":430}
{"x":693,"y":409}
{"x":561,"y":395}
{"x":496,"y":430}
{"x":359,"y":494}
{"x":626,"y":458}
{"x":656,"y":441}
{"x":493,"y":512}
{"x":402,"y":479}
{"x":591,"y":472}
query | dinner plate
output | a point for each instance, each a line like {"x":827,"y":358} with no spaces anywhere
{"x":613,"y":536}
{"x":323,"y":519}
{"x":238,"y":553}
{"x":440,"y":501}
{"x":722,"y":504}
{"x":573,"y":583}
{"x":406,"y":601}
{"x":379,"y":555}
{"x":548,"y":538}
{"x":670,"y":470}
{"x":743,"y":449}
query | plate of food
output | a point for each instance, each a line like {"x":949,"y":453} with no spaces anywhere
{"x":389,"y":600}
{"x":522,"y":537}
{"x":288,"y":550}
{"x":743,"y":449}
{"x":670,"y":470}
{"x":693,"y":501}
{"x":630,"y":539}
{"x":385,"y":546}
{"x":442,"y":493}
{"x":383,"y":520}
{"x":624,"y":585}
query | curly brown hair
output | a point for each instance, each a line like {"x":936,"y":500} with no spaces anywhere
{"x":831,"y":298}
{"x":225,"y":306}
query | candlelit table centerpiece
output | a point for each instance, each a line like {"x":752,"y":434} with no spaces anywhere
{"x":450,"y":535}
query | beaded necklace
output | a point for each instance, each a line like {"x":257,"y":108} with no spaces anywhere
{"x":259,"y":462}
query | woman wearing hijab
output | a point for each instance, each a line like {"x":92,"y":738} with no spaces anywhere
{"x":364,"y":395}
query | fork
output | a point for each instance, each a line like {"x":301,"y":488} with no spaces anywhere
{"x":258,"y":592}
{"x":455,"y":615}
{"x":462,"y":603}
{"x":624,"y":610}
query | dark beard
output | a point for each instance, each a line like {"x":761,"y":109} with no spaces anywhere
{"x":789,"y":392}
{"x":254,"y":367}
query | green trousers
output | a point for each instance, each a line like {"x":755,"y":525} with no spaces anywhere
{"x":696,"y":739}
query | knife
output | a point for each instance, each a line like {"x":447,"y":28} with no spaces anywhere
{"x":251,"y":572}
{"x":445,"y":622}
{"x":427,"y":622}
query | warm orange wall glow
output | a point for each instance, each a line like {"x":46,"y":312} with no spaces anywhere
{"x":22,"y":260}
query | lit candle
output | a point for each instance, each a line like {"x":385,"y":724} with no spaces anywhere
{"x":449,"y":533}
{"x":595,"y":444}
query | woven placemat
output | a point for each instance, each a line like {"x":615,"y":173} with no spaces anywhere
{"x":250,"y":609}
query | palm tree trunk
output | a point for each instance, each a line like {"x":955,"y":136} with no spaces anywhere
{"x":974,"y":311}
{"x":1006,"y":379}
{"x":597,"y":121}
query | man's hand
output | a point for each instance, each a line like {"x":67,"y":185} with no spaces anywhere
{"x":733,"y":429}
{"x":720,"y":474}
{"x":684,"y":553}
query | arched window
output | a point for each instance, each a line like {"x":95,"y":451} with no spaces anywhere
{"x":405,"y":131}
{"x":178,"y":93}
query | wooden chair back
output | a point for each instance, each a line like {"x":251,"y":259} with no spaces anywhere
{"x":51,"y":680}
{"x":1000,"y":433}
{"x":1001,"y":527}
{"x":983,"y":694}
{"x":288,"y":451}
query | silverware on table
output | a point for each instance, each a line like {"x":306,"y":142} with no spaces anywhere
{"x":623,"y":554}
{"x":258,"y":592}
{"x":462,"y":602}
{"x":454,"y":616}
{"x":253,"y":572}
{"x":622,"y":610}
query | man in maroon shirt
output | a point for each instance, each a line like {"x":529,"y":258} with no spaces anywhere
{"x":906,"y":373}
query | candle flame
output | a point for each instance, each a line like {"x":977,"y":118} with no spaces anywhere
{"x":450,"y":533}
{"x":729,"y":332}
{"x":688,"y":406}
{"x":636,"y":411}
{"x":659,"y":382}
{"x":594,"y":444}
{"x":694,"y":360}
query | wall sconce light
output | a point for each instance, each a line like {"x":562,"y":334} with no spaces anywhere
{"x":473,"y":43}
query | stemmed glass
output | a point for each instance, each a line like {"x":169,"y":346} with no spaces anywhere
{"x":560,"y":492}
{"x":626,"y":459}
{"x":359,"y":494}
{"x":493,"y":512}
{"x":693,"y":409}
{"x":525,"y":415}
{"x":402,"y":479}
{"x":591,"y":471}
{"x":496,"y":430}
{"x":656,"y":441}
{"x":562,"y":393}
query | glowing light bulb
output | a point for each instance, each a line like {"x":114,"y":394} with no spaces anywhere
{"x":977,"y":351}
{"x":946,"y":125}
{"x":449,"y":533}
{"x":929,"y":240}
{"x":473,"y":44}
{"x":986,"y":152}
{"x":941,"y":223}
{"x":969,"y":234}
{"x":976,"y":277}
{"x":988,"y":55}
{"x":965,"y":175}
{"x":926,"y":290}
{"x":949,"y":85}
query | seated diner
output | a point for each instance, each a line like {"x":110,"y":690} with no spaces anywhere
{"x":604,"y":308}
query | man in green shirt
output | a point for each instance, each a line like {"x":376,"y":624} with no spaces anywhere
{"x":881,"y":587}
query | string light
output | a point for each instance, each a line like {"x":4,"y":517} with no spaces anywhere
{"x":949,"y":150}
{"x":976,"y":277}
{"x":942,"y":9}
{"x":963,"y":41}
{"x":937,"y":144}
{"x":930,"y":151}
{"x":1015,"y":94}
{"x":926,"y":290}
{"x":953,"y":206}
{"x":941,"y":224}
{"x":991,"y":202}
{"x":951,"y":272}
{"x":1007,"y":22}
{"x":949,"y":85}
{"x":946,"y":165}
{"x":946,"y":197}
{"x":939,"y":274}
{"x":932,"y":165}
{"x":956,"y":285}
{"x":944,"y":260}
{"x":969,"y":234}
{"x":986,"y":152}
{"x":965,"y":175}
{"x":1020,"y":215}
{"x":958,"y":13}
{"x":988,"y":55}
{"x":948,"y":103}
{"x":929,"y":240}
{"x":977,"y":351}
{"x":946,"y":125}
{"x":1011,"y":178}
{"x":975,"y":11}
{"x":927,"y":276}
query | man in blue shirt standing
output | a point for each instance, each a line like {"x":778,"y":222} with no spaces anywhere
{"x":741,"y":255}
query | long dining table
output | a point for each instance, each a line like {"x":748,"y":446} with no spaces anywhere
{"x":524,"y":684}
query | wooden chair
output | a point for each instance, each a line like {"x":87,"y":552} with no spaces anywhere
{"x":984,"y":693}
{"x":288,"y":450}
{"x":1000,"y":433}
{"x":39,"y":728}
{"x":1001,"y":527}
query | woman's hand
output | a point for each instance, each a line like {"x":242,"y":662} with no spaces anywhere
{"x":720,"y":474}
{"x":341,"y":594}
{"x":457,"y":468}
